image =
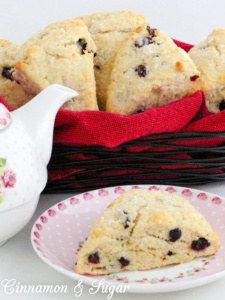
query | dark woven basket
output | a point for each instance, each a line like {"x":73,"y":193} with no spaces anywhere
{"x":205,"y":164}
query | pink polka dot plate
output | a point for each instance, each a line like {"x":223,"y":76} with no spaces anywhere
{"x":59,"y":233}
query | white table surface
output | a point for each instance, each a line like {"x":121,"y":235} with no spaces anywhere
{"x":189,"y":21}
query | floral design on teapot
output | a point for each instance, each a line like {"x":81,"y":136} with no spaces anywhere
{"x":7,"y":177}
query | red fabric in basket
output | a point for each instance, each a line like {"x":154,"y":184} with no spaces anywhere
{"x":91,"y":128}
{"x":110,"y":130}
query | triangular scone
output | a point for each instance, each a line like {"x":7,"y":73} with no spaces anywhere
{"x":144,"y":229}
{"x":149,"y":70}
{"x":209,"y":58}
{"x":108,"y":30}
{"x":61,"y":53}
{"x":12,"y":92}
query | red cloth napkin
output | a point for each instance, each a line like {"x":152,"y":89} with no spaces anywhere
{"x":110,"y":130}
{"x":91,"y":128}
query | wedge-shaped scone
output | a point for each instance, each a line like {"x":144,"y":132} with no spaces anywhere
{"x":61,"y":53}
{"x":149,"y":70}
{"x":142,"y":230}
{"x":209,"y":58}
{"x":109,"y":30}
{"x":13,"y":94}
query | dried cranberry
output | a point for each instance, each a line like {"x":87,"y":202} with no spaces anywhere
{"x":174,"y":234}
{"x":138,"y":45}
{"x":141,"y":70}
{"x":90,"y":51}
{"x":84,"y":47}
{"x":200,"y":244}
{"x":146,"y":41}
{"x":124,"y":262}
{"x":170,"y":253}
{"x":83,"y":44}
{"x":193,"y":78}
{"x":151,"y":31}
{"x":141,"y":110}
{"x":94,"y":258}
{"x":222,"y":105}
{"x":126,"y":223}
{"x":7,"y":73}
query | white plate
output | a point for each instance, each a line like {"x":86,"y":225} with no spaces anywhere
{"x":59,"y":233}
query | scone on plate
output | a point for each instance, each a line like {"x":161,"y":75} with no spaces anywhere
{"x":144,"y":229}
{"x":109,"y":30}
{"x":12,"y":92}
{"x":61,"y":53}
{"x":209,"y":58}
{"x":149,"y":70}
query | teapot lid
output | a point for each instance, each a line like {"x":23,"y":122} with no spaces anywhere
{"x":5,"y":117}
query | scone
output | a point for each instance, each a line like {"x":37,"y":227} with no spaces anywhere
{"x":144,"y":229}
{"x":109,"y":30}
{"x":149,"y":70}
{"x":13,"y":94}
{"x":209,"y":58}
{"x":61,"y":53}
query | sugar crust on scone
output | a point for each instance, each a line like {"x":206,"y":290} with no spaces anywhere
{"x":109,"y":30}
{"x":209,"y":58}
{"x":61,"y":53}
{"x":145,"y":229}
{"x":149,"y":71}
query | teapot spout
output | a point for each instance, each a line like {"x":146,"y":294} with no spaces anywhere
{"x":38,"y":116}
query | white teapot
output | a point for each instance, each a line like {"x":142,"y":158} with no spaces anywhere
{"x":25,"y":148}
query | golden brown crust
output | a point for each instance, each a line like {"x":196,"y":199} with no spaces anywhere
{"x":180,"y":66}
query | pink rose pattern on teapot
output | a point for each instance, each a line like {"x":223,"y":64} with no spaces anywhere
{"x":7,"y":177}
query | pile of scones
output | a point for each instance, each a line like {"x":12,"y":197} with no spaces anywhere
{"x":116,"y":62}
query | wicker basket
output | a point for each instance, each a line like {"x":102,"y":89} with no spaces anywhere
{"x":167,"y":160}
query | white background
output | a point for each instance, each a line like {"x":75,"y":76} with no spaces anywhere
{"x":189,"y":21}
